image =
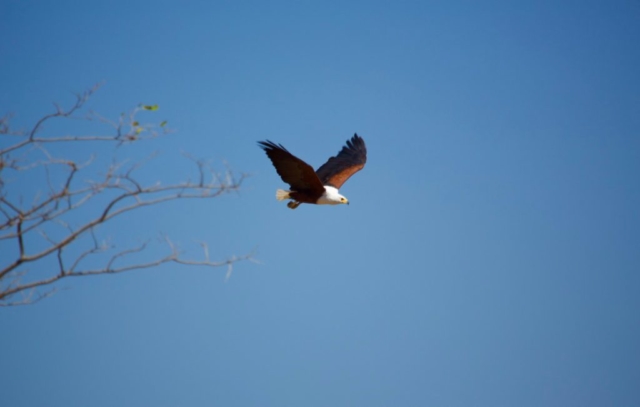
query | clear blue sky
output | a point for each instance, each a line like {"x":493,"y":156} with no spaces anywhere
{"x":491,"y":252}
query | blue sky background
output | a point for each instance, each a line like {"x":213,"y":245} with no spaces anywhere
{"x":490,"y":255}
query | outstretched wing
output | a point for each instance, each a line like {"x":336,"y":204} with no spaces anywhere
{"x":349,"y":160}
{"x":295,"y":172}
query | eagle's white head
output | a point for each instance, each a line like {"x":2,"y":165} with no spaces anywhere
{"x":331,"y":197}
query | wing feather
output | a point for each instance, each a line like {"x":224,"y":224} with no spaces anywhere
{"x":295,"y":172}
{"x":351,"y":159}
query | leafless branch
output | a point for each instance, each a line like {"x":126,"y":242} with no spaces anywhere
{"x":53,"y":216}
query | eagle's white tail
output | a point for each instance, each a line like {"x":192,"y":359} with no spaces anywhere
{"x":281,"y":194}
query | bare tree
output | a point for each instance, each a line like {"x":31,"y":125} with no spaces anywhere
{"x":53,"y":232}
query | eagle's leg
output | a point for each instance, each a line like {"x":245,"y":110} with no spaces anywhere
{"x":293,"y":204}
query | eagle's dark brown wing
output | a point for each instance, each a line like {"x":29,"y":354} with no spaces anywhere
{"x":349,"y":160}
{"x":295,"y":172}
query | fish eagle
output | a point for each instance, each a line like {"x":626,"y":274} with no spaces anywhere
{"x":316,"y":187}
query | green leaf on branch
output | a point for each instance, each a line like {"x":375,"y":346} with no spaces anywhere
{"x":150,"y":107}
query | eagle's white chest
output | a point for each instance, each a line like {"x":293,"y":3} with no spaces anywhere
{"x":330,"y":197}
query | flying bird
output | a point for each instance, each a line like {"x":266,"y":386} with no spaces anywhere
{"x":316,"y":187}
